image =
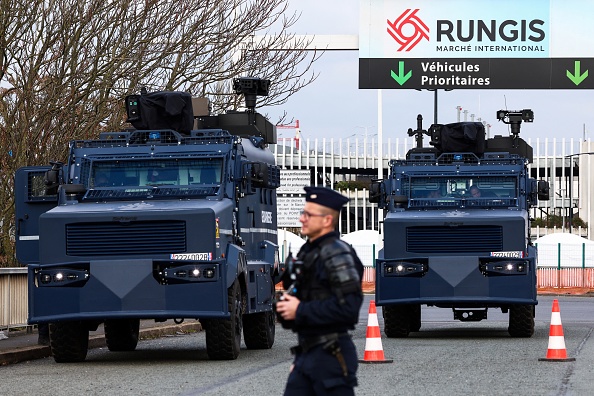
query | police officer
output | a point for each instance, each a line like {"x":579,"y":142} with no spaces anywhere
{"x":324,"y":302}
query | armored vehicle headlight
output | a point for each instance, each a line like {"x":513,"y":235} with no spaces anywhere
{"x":67,"y":277}
{"x":413,"y":267}
{"x":180,"y":273}
{"x":497,"y":267}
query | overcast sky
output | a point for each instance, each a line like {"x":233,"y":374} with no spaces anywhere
{"x":335,"y":107}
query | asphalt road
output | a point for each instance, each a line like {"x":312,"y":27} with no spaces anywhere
{"x":446,"y":357}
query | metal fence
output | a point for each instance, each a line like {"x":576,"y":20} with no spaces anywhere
{"x":565,"y":278}
{"x":566,"y":265}
{"x":367,"y":254}
{"x":566,"y":255}
{"x":13,"y":297}
{"x":567,"y":164}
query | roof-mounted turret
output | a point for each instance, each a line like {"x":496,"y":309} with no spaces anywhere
{"x":175,"y":110}
{"x":513,"y":144}
{"x":470,"y":137}
{"x":244,"y":123}
{"x":514,"y":118}
{"x":161,"y":110}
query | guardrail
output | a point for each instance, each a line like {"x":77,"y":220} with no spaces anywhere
{"x":13,"y":297}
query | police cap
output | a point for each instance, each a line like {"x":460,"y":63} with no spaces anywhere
{"x":325,"y":197}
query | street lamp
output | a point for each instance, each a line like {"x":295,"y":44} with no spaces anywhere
{"x":366,"y":129}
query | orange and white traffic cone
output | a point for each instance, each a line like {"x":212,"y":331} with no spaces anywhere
{"x":557,"y":351}
{"x":374,"y":352}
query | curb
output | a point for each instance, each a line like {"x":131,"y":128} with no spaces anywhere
{"x":22,"y":354}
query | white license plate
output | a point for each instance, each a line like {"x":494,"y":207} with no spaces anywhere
{"x":191,"y":256}
{"x":512,"y":254}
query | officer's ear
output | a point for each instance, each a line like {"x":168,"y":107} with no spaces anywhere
{"x":329,"y":220}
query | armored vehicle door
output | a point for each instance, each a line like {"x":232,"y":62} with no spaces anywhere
{"x":31,"y":201}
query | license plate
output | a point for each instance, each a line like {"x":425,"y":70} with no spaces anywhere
{"x":191,"y":256}
{"x":512,"y":254}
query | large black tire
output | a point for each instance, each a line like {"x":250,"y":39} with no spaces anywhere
{"x":521,"y":321}
{"x":121,"y":334}
{"x":396,"y":320}
{"x":259,"y":330}
{"x":223,"y":336}
{"x":415,"y":317}
{"x":69,"y":341}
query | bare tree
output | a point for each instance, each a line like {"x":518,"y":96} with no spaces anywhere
{"x":66,"y":65}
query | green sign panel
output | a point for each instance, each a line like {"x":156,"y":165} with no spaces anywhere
{"x":478,"y":73}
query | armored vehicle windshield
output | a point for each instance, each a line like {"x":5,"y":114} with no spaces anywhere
{"x":439,"y":191}
{"x":151,"y":178}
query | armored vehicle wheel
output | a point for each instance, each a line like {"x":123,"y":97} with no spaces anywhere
{"x":121,"y":334}
{"x":396,"y":320}
{"x":259,"y":330}
{"x":69,"y":341}
{"x":415,"y":317}
{"x":223,"y":336}
{"x":521,"y":321}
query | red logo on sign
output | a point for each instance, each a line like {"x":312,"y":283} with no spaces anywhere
{"x":397,"y":30}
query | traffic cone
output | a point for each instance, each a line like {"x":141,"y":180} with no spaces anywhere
{"x":556,"y":351}
{"x":374,"y":353}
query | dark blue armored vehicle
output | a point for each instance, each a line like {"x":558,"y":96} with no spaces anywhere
{"x":457,"y":228}
{"x":174,"y":219}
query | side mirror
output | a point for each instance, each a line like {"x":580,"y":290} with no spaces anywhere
{"x":52,"y":178}
{"x":259,"y":174}
{"x":375,"y":190}
{"x":543,"y":190}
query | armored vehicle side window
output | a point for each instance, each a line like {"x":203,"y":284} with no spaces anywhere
{"x":36,"y":188}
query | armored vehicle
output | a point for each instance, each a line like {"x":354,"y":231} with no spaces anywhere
{"x":172,"y":219}
{"x":457,"y":227}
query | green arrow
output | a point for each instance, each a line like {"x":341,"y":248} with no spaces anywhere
{"x":401,"y":78}
{"x":577,"y":77}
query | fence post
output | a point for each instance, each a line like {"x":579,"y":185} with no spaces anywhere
{"x":559,"y":265}
{"x":538,"y":270}
{"x":583,"y":264}
{"x":373,"y":252}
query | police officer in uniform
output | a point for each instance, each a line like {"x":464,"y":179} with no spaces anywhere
{"x":323,"y":302}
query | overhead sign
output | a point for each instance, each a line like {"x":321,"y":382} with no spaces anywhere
{"x":473,"y":44}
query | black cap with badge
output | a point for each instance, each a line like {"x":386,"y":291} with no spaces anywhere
{"x":325,"y":197}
